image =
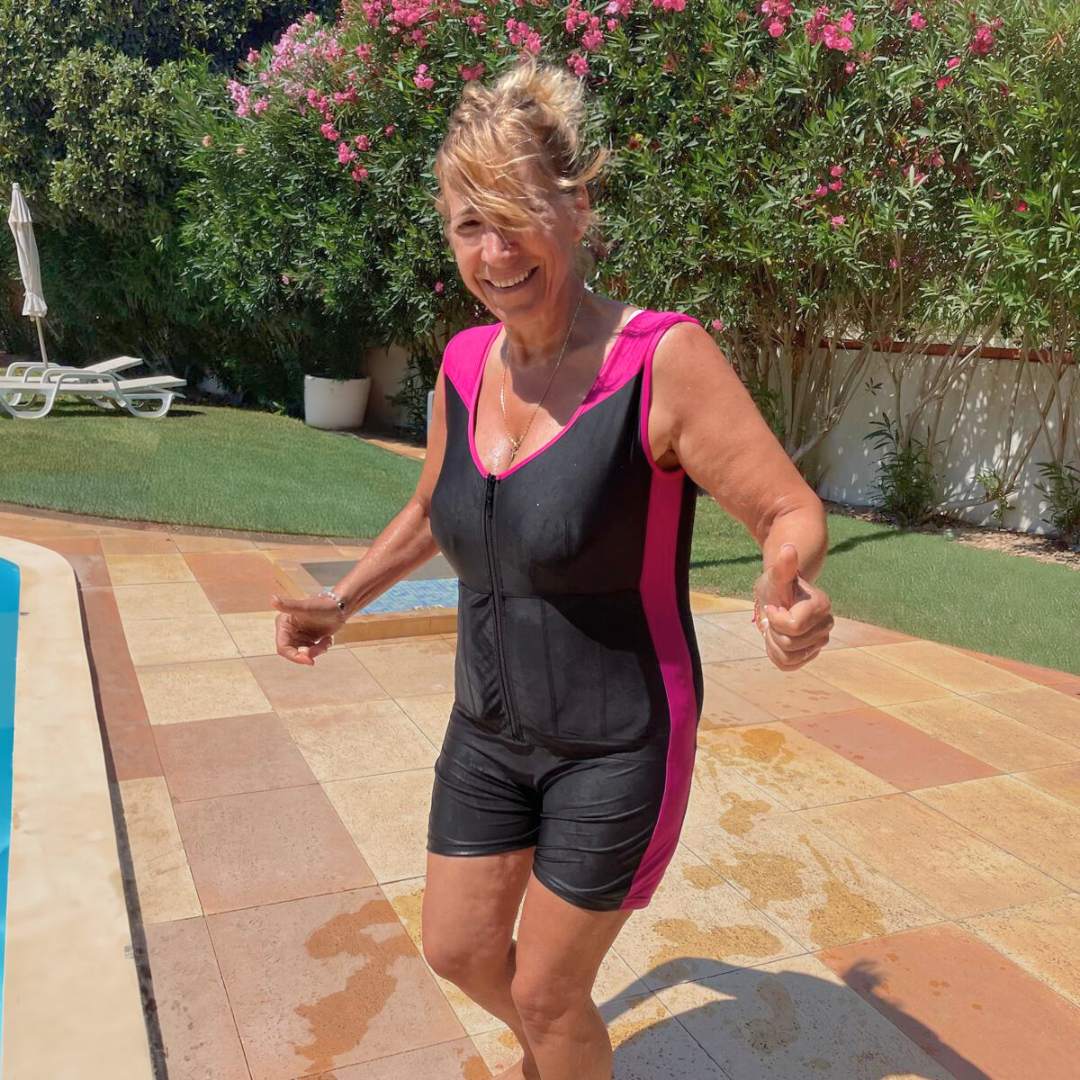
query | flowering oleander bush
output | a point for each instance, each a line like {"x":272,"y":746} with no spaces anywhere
{"x":791,"y":174}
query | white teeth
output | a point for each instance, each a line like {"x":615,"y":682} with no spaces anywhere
{"x":511,"y":281}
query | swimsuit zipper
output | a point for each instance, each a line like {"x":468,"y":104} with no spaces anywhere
{"x":496,"y":601}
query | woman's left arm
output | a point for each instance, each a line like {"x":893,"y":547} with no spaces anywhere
{"x":702,"y":413}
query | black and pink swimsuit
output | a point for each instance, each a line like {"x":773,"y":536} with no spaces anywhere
{"x":578,"y":684}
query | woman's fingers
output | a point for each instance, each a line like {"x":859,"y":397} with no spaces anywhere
{"x":818,"y":634}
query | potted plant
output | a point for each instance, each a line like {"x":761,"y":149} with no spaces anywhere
{"x":335,"y":389}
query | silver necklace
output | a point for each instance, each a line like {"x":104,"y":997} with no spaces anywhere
{"x":516,"y":443}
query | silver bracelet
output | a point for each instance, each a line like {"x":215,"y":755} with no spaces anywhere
{"x":334,"y":596}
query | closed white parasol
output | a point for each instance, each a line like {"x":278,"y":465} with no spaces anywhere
{"x":22,"y":228}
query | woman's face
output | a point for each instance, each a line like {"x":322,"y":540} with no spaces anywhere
{"x":521,"y":273}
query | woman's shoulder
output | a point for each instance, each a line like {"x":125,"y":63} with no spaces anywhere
{"x":462,"y":355}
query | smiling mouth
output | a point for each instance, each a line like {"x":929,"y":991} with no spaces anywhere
{"x":507,"y":284}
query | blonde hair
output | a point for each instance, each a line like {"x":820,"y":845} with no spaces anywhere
{"x":531,"y":116}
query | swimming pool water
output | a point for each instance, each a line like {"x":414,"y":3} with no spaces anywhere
{"x":9,"y":626}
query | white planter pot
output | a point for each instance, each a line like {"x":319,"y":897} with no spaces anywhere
{"x":430,"y":406}
{"x":335,"y":405}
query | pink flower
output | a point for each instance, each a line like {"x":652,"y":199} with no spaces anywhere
{"x":919,"y":178}
{"x":253,"y":56}
{"x":621,"y":8}
{"x":983,"y":42}
{"x":439,"y":286}
{"x":847,"y":21}
{"x":389,"y":130}
{"x":821,"y":191}
{"x":849,"y":67}
{"x":309,"y":18}
{"x":363,"y":51}
{"x":718,"y":325}
{"x":330,"y":132}
{"x":206,"y":140}
{"x":362,"y":142}
{"x":344,"y":154}
{"x":422,"y":80}
{"x":611,"y":24}
{"x":918,"y":22}
{"x":240,"y":150}
{"x":894,"y":263}
{"x":285,"y":279}
{"x":837,"y":221}
{"x":592,"y":40}
{"x":1021,"y":206}
{"x":578,"y":64}
{"x":944,"y":81}
{"x":837,"y":170}
{"x":260,"y":107}
{"x":775,"y":28}
{"x":470,"y":74}
{"x":937,"y":160}
{"x":952,"y":62}
{"x":837,"y":185}
{"x":359,"y":173}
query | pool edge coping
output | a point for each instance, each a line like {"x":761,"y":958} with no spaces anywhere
{"x":72,"y":1004}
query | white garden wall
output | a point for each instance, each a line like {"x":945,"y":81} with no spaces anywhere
{"x":981,"y":433}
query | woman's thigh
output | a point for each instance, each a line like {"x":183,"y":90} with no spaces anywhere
{"x":471,"y":903}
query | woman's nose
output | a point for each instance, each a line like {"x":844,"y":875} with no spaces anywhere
{"x":496,"y":245}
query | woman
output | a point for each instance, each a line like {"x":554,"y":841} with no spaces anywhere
{"x":566,"y":443}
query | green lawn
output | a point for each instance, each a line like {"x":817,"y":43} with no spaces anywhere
{"x":231,"y":468}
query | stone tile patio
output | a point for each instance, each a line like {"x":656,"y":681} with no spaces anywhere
{"x":878,"y":876}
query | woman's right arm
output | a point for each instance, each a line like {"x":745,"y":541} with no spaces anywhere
{"x":406,"y":542}
{"x":304,"y":628}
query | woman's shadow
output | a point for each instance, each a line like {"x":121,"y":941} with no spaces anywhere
{"x":776,"y":1025}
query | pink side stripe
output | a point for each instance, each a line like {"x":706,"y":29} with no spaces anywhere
{"x":660,"y":601}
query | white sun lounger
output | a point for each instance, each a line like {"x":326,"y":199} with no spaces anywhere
{"x":34,"y":370}
{"x":102,"y":388}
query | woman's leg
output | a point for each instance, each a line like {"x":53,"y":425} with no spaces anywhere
{"x":560,"y":949}
{"x":470,"y":905}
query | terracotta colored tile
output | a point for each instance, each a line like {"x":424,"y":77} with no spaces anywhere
{"x":1026,"y":822}
{"x":232,"y":566}
{"x":27,"y":527}
{"x":723,"y":708}
{"x":1039,"y":707}
{"x":858,"y":634}
{"x":708,"y":603}
{"x":183,"y":599}
{"x":337,"y":678}
{"x":191,"y":1006}
{"x":697,"y":925}
{"x":154,"y":642}
{"x":780,"y":693}
{"x":431,"y":714}
{"x":1043,"y":675}
{"x":268,"y":846}
{"x":613,"y":980}
{"x":235,"y":597}
{"x":900,"y":754}
{"x":947,"y":667}
{"x":1070,"y":687}
{"x":716,"y":644}
{"x":340,"y":742}
{"x":972,"y":1010}
{"x":410,"y":669}
{"x":86,"y":559}
{"x":162,"y":878}
{"x":795,"y":1020}
{"x":138,"y":545}
{"x":201,"y":544}
{"x":147,"y":569}
{"x":325,"y":982}
{"x":722,"y":799}
{"x":805,"y":882}
{"x":1044,"y":939}
{"x":795,"y":770}
{"x":871,"y":679}
{"x":934,"y":858}
{"x":301,"y":553}
{"x":387,"y":816}
{"x":649,"y":1042}
{"x":72,"y":545}
{"x":204,"y":691}
{"x":1062,"y":781}
{"x":984,"y":733}
{"x":206,"y":759}
{"x":119,"y":696}
{"x":133,"y":753}
{"x":457,"y":1060}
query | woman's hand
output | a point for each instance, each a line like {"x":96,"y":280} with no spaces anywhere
{"x":795,"y":617}
{"x":304,"y":628}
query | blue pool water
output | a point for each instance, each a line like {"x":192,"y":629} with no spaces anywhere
{"x":9,"y":626}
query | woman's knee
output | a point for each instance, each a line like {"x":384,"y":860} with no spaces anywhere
{"x":460,"y":958}
{"x":543,"y":998}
